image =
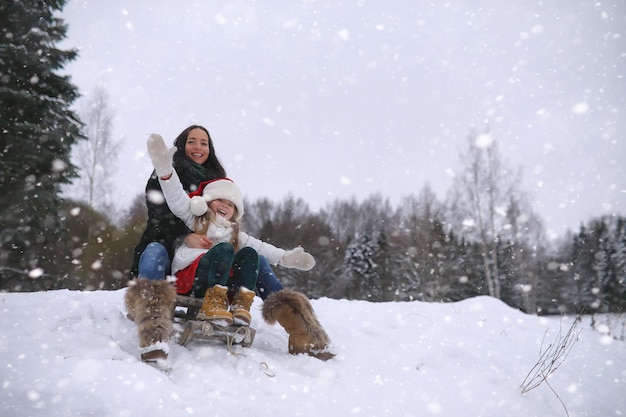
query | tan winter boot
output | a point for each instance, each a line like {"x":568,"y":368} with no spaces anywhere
{"x":150,"y":304}
{"x":240,"y":307}
{"x":294,"y":312}
{"x":215,"y":305}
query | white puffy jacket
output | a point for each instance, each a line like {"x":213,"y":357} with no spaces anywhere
{"x":219,"y":231}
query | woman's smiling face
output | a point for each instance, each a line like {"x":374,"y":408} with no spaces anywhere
{"x":197,"y":146}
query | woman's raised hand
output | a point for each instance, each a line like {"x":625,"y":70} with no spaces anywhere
{"x":160,"y":156}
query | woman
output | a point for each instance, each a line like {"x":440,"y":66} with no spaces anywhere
{"x":150,"y":298}
{"x":195,"y":161}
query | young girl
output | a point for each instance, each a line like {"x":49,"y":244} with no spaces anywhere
{"x":232,"y":261}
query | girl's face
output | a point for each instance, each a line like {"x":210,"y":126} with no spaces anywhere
{"x":223,"y":208}
{"x":197,"y":146}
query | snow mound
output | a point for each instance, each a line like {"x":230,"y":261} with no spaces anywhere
{"x":68,"y":353}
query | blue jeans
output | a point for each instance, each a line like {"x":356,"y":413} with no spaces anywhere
{"x":154,"y":262}
{"x":267,"y":281}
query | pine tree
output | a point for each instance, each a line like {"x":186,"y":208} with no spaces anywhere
{"x":587,"y":295}
{"x":37,"y":131}
{"x":360,"y":279}
{"x":620,"y":261}
{"x":609,"y":263}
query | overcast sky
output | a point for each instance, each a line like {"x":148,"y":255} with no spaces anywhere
{"x":327,"y":99}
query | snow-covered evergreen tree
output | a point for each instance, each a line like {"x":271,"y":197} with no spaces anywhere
{"x":37,"y":131}
{"x":609,"y":264}
{"x":361,"y":278}
{"x":619,"y":260}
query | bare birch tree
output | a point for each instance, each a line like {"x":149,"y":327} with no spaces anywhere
{"x":480,"y":198}
{"x":95,"y":156}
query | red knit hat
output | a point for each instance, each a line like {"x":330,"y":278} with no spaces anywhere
{"x":220,"y":188}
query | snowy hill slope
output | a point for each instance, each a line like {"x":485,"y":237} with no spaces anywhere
{"x":70,"y":353}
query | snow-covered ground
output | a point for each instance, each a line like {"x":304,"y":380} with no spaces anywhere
{"x":68,"y":353}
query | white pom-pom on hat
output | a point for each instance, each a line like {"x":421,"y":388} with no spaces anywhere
{"x":198,"y":205}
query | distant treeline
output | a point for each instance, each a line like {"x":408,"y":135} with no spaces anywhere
{"x":372,"y":251}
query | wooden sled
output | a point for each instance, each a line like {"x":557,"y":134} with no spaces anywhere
{"x":185,"y":313}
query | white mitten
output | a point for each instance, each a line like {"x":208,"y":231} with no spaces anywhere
{"x":297,"y":258}
{"x":160,"y":156}
{"x":198,"y":205}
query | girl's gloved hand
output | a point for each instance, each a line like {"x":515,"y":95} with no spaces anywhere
{"x":297,"y":258}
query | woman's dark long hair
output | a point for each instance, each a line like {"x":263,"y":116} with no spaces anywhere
{"x":189,"y":176}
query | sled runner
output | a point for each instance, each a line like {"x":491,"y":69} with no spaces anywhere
{"x":185,"y":312}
